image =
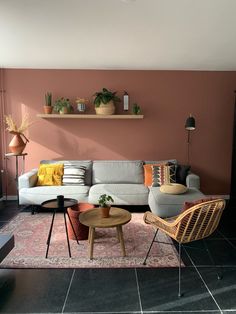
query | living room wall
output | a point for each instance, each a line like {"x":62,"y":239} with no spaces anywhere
{"x":166,"y":99}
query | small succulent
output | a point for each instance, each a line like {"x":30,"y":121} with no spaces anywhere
{"x":105,"y":96}
{"x":48,"y":99}
{"x":105,"y":200}
{"x":136,"y":109}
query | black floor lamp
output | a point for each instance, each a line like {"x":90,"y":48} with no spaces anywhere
{"x":189,"y":126}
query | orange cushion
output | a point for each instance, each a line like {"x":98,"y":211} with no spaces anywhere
{"x":148,"y":173}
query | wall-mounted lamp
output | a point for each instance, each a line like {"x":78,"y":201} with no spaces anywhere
{"x":190,"y":125}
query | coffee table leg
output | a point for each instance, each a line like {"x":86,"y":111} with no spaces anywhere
{"x":91,"y":241}
{"x":121,"y":238}
{"x":68,"y":242}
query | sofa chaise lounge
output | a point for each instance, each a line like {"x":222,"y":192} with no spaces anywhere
{"x":122,"y":179}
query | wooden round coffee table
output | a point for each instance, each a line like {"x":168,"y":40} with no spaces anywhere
{"x":93,"y":219}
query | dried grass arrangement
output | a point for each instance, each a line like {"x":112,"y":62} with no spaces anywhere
{"x":13,"y":128}
{"x":17,"y":145}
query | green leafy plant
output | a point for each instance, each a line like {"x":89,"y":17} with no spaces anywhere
{"x":136,"y":109}
{"x":48,"y":99}
{"x":105,"y":200}
{"x":62,"y":103}
{"x":104,"y":97}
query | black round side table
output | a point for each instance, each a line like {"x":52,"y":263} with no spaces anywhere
{"x":60,"y":204}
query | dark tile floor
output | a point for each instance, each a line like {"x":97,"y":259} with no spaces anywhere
{"x":128,"y":290}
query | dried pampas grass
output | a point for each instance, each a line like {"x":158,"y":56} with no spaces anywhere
{"x":13,"y":128}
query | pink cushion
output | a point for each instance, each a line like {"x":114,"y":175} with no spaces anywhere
{"x":188,"y":205}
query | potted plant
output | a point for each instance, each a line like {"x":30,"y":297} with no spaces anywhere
{"x":48,"y":103}
{"x":104,"y":202}
{"x":104,"y":102}
{"x":136,"y":109}
{"x":81,"y":104}
{"x":17,"y":144}
{"x":62,"y":105}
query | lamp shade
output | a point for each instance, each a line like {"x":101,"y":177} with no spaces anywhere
{"x":190,"y":123}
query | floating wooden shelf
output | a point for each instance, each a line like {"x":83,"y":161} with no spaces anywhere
{"x":90,"y":116}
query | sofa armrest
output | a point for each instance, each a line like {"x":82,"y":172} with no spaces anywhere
{"x":28,"y":179}
{"x":193,"y":181}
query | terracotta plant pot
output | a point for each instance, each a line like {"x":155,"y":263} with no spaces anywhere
{"x":47,"y":109}
{"x":105,"y":211}
{"x":81,"y":231}
{"x":106,"y":109}
{"x":17,"y":145}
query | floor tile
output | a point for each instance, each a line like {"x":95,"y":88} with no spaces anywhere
{"x":224,"y":290}
{"x":103,"y":290}
{"x":221,"y":251}
{"x":159,"y":290}
{"x":39,"y":291}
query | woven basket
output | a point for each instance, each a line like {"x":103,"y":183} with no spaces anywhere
{"x":106,"y":109}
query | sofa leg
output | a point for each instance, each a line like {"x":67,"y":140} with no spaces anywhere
{"x":33,"y":209}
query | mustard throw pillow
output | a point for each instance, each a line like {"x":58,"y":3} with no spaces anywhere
{"x":50,"y":174}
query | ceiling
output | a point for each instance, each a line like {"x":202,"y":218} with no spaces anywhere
{"x":118,"y":34}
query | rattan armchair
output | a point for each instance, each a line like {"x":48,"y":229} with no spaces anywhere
{"x":197,"y":222}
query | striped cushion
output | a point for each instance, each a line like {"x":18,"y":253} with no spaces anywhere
{"x":73,"y":174}
{"x":163,"y":174}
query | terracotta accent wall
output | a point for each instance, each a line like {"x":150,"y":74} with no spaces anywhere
{"x":166,"y":99}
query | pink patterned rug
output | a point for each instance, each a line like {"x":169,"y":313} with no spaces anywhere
{"x":31,"y":232}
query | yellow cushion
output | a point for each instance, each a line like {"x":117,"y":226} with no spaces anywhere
{"x":50,"y":174}
{"x":173,"y":188}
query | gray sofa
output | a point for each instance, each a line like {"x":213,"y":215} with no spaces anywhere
{"x":123,"y":180}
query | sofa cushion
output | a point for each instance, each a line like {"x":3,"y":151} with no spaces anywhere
{"x":117,"y":171}
{"x":39,"y":194}
{"x":123,"y":194}
{"x":73,"y":174}
{"x":85,"y":163}
{"x":188,"y":205}
{"x":167,"y":205}
{"x":163,"y":174}
{"x":50,"y":174}
{"x":148,"y":173}
{"x":172,"y":161}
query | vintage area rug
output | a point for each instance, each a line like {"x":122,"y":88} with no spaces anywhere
{"x":31,"y":233}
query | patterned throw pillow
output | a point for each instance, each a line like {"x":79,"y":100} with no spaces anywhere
{"x":73,"y":174}
{"x":163,"y":174}
{"x":148,"y":173}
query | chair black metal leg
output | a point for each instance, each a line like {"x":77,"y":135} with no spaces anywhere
{"x":219,"y":276}
{"x":68,"y":242}
{"x":72,"y":226}
{"x":153,"y":240}
{"x":50,"y":233}
{"x":179,"y":293}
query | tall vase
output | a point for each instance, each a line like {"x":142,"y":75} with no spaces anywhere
{"x":17,"y":145}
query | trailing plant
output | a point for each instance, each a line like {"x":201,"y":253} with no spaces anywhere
{"x":48,"y":99}
{"x":62,"y":103}
{"x":105,"y":96}
{"x":105,"y":200}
